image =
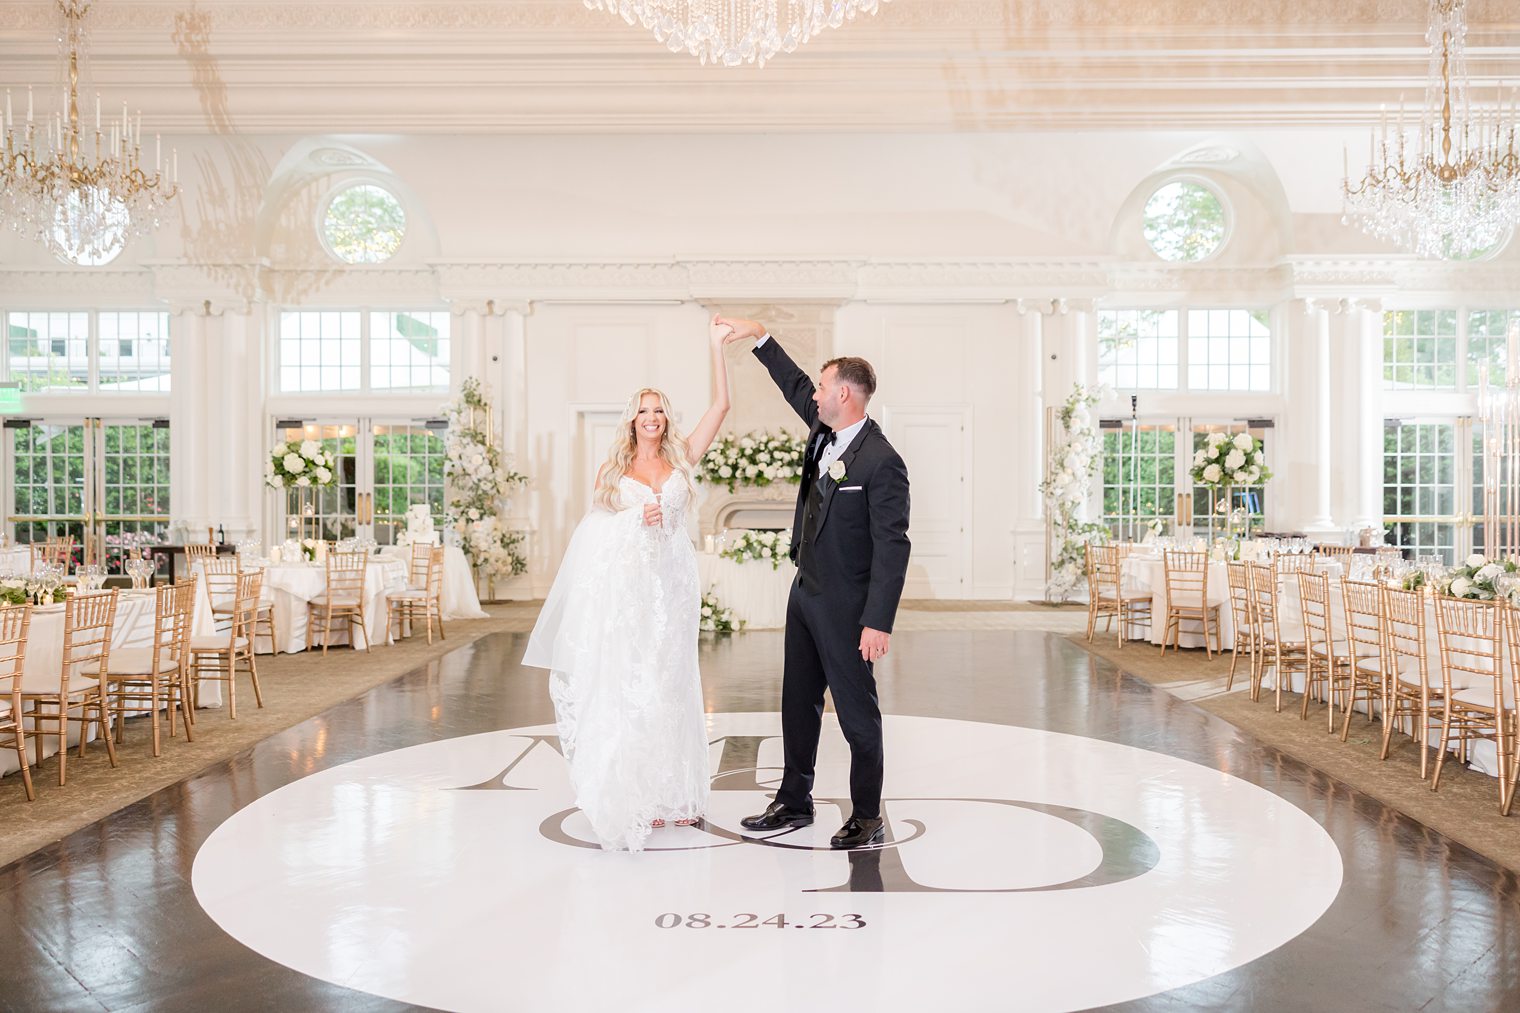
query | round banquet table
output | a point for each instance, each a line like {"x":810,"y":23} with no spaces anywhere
{"x":460,"y":599}
{"x":133,"y":628}
{"x":289,"y":587}
{"x":16,"y":559}
{"x":754,"y":589}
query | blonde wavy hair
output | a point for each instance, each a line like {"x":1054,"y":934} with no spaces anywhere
{"x":672,"y":449}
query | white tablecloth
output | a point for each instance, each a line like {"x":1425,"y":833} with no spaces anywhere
{"x":291,"y":586}
{"x":134,"y":628}
{"x":1148,"y":573}
{"x":755,"y":590}
{"x":17,"y":559}
{"x":460,"y":600}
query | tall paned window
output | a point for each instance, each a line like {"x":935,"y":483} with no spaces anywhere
{"x":408,"y":466}
{"x":334,"y":351}
{"x":1139,"y":477}
{"x":1420,"y":486}
{"x":125,"y":351}
{"x":1420,"y":350}
{"x":1198,"y":350}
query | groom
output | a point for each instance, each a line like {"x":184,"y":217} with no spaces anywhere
{"x":850,"y":544}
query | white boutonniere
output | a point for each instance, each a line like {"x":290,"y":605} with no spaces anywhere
{"x":836,"y":472}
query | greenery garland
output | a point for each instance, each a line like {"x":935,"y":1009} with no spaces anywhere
{"x":757,"y":458}
{"x":1075,"y":459}
{"x":480,"y":482}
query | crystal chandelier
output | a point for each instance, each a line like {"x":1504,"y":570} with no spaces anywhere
{"x":1451,"y":187}
{"x":82,"y":208}
{"x":732,"y":32}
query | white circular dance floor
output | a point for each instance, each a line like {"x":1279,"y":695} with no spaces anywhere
{"x":1025,"y":870}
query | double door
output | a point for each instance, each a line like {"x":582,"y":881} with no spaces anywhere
{"x":383,"y":466}
{"x":103,"y":482}
{"x":1147,"y":476}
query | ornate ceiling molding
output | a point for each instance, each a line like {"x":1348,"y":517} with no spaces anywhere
{"x":518,"y":284}
{"x":282,"y":66}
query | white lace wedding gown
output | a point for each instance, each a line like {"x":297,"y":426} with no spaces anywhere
{"x":618,"y":634}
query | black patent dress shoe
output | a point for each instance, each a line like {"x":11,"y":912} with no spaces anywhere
{"x":858,"y":833}
{"x":777,"y":816}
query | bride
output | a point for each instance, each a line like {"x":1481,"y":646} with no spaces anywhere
{"x":618,"y":631}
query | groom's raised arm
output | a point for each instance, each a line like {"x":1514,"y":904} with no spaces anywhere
{"x":794,"y":384}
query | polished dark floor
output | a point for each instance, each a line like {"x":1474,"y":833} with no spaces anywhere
{"x":106,"y":919}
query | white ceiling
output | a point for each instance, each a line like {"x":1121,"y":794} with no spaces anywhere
{"x":361,"y":66}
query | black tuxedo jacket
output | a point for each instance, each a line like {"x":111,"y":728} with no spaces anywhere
{"x":859,"y":557}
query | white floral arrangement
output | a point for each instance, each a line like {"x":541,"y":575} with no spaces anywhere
{"x":716,"y":618}
{"x":765,"y":546}
{"x":1076,"y":459}
{"x":1476,"y":579}
{"x":758,"y":458}
{"x":480,"y":481}
{"x":1226,"y":460}
{"x":300,"y":465}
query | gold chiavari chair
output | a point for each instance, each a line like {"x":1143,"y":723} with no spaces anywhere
{"x":1328,"y":664}
{"x":425,"y":602}
{"x":1106,"y":596}
{"x":52,"y":552}
{"x":88,"y":621}
{"x":221,"y":587}
{"x":1292,"y":562}
{"x":421,"y":554}
{"x":343,"y":600}
{"x":1470,"y":635}
{"x":1124,"y":549}
{"x":14,"y":621}
{"x":1283,"y":656}
{"x":1364,"y":641}
{"x":150,"y":677}
{"x":1187,"y":599}
{"x":196,"y":552}
{"x":219,"y":656}
{"x":1341,"y":552}
{"x":1410,"y":692}
{"x":1512,"y":705}
{"x":1239,"y":581}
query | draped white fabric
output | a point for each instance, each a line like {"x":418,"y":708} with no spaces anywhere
{"x":291,"y":586}
{"x":618,"y":633}
{"x":460,"y":599}
{"x":755,"y":590}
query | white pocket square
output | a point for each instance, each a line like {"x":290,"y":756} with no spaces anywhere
{"x":851,"y":488}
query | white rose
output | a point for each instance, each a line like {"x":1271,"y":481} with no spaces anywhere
{"x":1244,"y":442}
{"x":1476,"y":560}
{"x":1198,"y":458}
{"x":766,"y":552}
{"x":1460,"y":587}
{"x":725,"y":472}
{"x":1258,"y":458}
{"x":1235,"y":460}
{"x":323,"y":476}
{"x":1215,"y":439}
{"x":1253,"y":475}
{"x":747,"y":443}
{"x":1213,"y":451}
{"x":1240,"y":478}
{"x":750,"y":471}
{"x":1489,"y":571}
{"x":294,"y":464}
{"x":311,"y":449}
{"x":1212,"y":473}
{"x":275,"y":482}
{"x":303,"y":481}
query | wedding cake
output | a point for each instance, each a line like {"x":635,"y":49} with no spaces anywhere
{"x":419,"y":525}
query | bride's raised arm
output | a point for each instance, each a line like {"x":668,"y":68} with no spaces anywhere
{"x":706,"y":430}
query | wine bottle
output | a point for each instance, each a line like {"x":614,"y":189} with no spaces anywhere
{"x":221,"y":535}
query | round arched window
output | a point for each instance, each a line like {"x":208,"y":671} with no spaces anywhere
{"x":363,"y":224}
{"x":1185,"y":222}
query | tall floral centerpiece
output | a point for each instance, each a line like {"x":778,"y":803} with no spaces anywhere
{"x":480,"y":481}
{"x":1076,"y":458}
{"x":1221,"y":464}
{"x":300,"y":466}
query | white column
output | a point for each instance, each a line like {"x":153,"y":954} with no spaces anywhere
{"x":469,"y":353}
{"x":189,"y":411}
{"x":1367,"y":332}
{"x":1029,"y":394}
{"x":1320,"y":381}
